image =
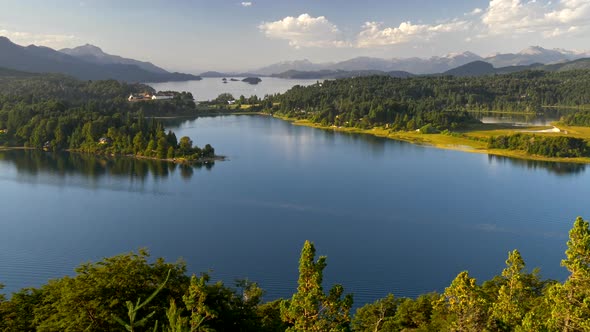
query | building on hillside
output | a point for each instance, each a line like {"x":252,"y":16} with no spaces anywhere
{"x":104,"y":140}
{"x":139,"y":96}
{"x":163,"y":96}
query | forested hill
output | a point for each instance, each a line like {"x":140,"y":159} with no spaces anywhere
{"x":412,"y":102}
{"x":56,"y":112}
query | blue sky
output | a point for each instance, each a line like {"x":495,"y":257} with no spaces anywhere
{"x":196,"y":35}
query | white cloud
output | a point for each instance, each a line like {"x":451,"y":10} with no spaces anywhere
{"x":305,"y":31}
{"x":246,"y":4}
{"x":549,"y":19}
{"x":474,"y":12}
{"x":503,"y":19}
{"x":50,"y":40}
{"x":374,"y":34}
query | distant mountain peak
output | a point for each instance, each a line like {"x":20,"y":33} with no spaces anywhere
{"x":535,"y":50}
{"x":466,"y":54}
{"x":42,"y":59}
{"x":95,"y":54}
{"x":86,"y":49}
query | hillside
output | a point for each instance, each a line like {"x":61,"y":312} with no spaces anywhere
{"x":335,"y":74}
{"x":579,"y":64}
{"x":94,"y":54}
{"x":39,"y":59}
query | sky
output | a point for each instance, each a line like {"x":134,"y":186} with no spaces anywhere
{"x":226,"y":35}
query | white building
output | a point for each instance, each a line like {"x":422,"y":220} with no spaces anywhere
{"x":162,"y":97}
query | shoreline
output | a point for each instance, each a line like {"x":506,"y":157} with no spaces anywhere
{"x":447,"y":142}
{"x":131,"y":156}
{"x":173,"y":160}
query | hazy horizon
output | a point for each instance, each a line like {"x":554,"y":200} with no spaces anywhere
{"x":203,"y":35}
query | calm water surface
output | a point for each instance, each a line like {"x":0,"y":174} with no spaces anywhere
{"x":210,"y":88}
{"x":390,"y":216}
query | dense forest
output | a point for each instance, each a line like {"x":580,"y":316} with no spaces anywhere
{"x":581,"y":118}
{"x":55,"y":112}
{"x":442,"y":101}
{"x":128,"y":292}
{"x":552,"y":146}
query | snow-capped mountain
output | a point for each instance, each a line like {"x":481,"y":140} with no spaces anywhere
{"x":436,"y":64}
{"x":533,"y":54}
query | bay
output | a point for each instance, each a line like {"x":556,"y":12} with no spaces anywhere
{"x":390,"y":216}
{"x":209,"y":88}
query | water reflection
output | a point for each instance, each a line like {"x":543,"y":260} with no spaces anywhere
{"x":561,"y":169}
{"x":33,"y":162}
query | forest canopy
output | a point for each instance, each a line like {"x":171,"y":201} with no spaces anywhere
{"x":131,"y":292}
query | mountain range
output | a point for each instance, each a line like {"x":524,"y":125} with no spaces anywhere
{"x":89,"y":62}
{"x":432,"y":65}
{"x":85,"y":62}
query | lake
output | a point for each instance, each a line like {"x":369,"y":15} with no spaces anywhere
{"x":210,"y":88}
{"x":390,"y":216}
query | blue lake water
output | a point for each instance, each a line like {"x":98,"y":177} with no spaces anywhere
{"x":210,"y":88}
{"x":390,"y":216}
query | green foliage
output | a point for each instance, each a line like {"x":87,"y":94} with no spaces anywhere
{"x":464,"y":304}
{"x":310,"y":309}
{"x":428,"y":129}
{"x":377,"y":316}
{"x":89,"y":300}
{"x":133,"y":309}
{"x":411,"y":103}
{"x":513,"y":301}
{"x":514,"y":298}
{"x":570,"y":302}
{"x":581,"y":118}
{"x":548,"y":146}
{"x":54,"y":113}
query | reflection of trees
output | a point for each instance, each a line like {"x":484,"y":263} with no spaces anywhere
{"x":62,"y":163}
{"x":556,"y":168}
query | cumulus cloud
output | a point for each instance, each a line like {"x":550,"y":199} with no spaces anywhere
{"x":305,"y":31}
{"x":474,"y":12}
{"x":51,"y":40}
{"x":375,"y":34}
{"x":537,"y":19}
{"x":546,"y":18}
{"x":246,"y":4}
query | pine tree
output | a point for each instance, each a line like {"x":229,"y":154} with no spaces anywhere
{"x":310,"y":309}
{"x":514,"y":297}
{"x":463,"y":303}
{"x":570,"y":302}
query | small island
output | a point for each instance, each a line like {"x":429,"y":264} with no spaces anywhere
{"x":252,"y":80}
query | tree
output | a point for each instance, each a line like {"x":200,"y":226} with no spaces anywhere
{"x":208,"y":151}
{"x":149,"y":150}
{"x":377,"y":316}
{"x":514,"y":297}
{"x":185,"y":145}
{"x":570,"y":302}
{"x":138,"y":143}
{"x":162,"y":147}
{"x":465,"y":307}
{"x":88,"y":301}
{"x":310,"y":309}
